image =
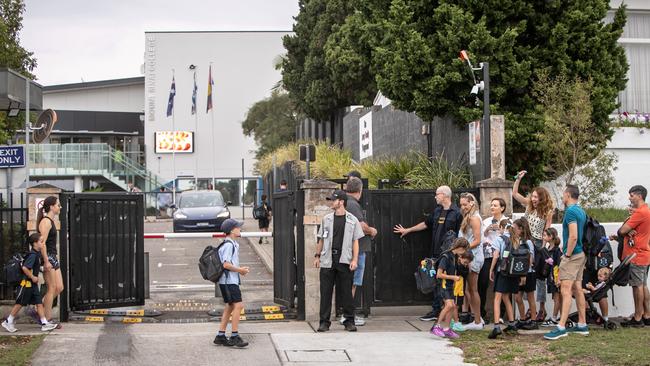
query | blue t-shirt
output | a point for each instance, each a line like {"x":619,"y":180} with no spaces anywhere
{"x":229,"y":252}
{"x":573,"y":214}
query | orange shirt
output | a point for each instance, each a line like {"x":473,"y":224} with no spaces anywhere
{"x":640,"y":222}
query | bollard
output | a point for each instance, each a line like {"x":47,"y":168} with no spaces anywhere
{"x":146,"y":276}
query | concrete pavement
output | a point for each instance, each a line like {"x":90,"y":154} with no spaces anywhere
{"x":384,"y":341}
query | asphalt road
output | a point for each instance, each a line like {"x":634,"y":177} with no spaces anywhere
{"x":176,"y":286}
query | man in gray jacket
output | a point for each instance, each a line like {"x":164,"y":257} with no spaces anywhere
{"x":337,"y":254}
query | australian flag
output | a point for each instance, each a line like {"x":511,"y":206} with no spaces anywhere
{"x":194,"y":95}
{"x":172,"y":94}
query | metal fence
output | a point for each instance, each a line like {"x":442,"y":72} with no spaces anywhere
{"x":13,"y":234}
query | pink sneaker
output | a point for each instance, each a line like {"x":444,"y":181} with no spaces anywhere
{"x":437,"y":331}
{"x":450,"y":334}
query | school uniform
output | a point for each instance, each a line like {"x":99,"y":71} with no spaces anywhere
{"x":28,"y":292}
{"x":503,"y":284}
{"x":229,"y":282}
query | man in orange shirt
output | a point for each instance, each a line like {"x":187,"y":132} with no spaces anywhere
{"x":637,"y":240}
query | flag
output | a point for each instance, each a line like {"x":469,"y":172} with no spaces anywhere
{"x":194,"y":95}
{"x":172,"y":93}
{"x":210,"y":83}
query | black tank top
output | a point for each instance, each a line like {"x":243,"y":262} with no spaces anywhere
{"x":50,"y":242}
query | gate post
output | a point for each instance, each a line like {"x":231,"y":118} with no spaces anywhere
{"x":316,"y":207}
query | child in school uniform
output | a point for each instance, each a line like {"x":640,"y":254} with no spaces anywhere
{"x":28,"y":292}
{"x":447,"y":273}
{"x":527,"y":284}
{"x":552,"y":243}
{"x":504,"y":286}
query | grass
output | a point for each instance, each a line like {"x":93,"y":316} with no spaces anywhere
{"x":624,"y":346}
{"x":18,"y":350}
{"x":608,"y":214}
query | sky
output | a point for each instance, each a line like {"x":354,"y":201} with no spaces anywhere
{"x":87,"y":40}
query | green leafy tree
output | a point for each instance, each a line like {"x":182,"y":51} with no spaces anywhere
{"x":272,"y":122}
{"x":13,"y":56}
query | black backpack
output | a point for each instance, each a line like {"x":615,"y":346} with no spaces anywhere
{"x":448,"y":240}
{"x":13,"y":270}
{"x":517,"y":263}
{"x":425,"y":276}
{"x":592,"y":235}
{"x":260,"y":212}
{"x":602,"y":256}
{"x":210,"y":264}
{"x":542,"y":268}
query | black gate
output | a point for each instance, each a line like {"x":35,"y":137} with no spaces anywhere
{"x":284,"y":248}
{"x":102,"y":255}
{"x":13,"y":235}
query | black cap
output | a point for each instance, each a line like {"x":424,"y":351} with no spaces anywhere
{"x":230,"y":224}
{"x":353,"y":173}
{"x":338,"y":195}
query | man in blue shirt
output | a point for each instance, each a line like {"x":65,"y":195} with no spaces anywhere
{"x":572,"y":264}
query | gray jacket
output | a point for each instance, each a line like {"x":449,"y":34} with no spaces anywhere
{"x":353,"y":232}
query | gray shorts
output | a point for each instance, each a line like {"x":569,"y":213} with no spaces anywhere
{"x":638,"y":275}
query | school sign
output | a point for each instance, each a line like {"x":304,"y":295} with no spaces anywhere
{"x":12,"y":156}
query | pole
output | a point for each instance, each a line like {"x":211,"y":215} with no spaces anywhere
{"x":27,"y":129}
{"x":308,"y":158}
{"x":485,"y":126}
{"x":243,"y":187}
{"x":196,"y":161}
{"x":174,"y":148}
{"x":214,"y":157}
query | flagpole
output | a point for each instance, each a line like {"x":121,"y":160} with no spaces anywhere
{"x":214,"y":182}
{"x":196,"y":131}
{"x":174,"y":145}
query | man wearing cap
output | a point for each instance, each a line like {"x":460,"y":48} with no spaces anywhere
{"x":337,"y":255}
{"x":229,"y":285}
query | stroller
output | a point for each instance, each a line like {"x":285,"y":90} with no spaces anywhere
{"x":618,"y":277}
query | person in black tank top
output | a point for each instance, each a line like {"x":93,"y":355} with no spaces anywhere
{"x":51,"y":266}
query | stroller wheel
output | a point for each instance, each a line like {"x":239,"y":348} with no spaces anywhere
{"x":570,"y":323}
{"x":610,"y":325}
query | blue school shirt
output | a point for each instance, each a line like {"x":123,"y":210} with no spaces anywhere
{"x":229,"y":252}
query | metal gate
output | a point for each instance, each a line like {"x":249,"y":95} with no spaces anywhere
{"x":284,"y":248}
{"x":102,"y":255}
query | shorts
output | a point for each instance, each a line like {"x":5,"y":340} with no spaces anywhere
{"x":263,"y":223}
{"x":447,"y":294}
{"x":54,"y":261}
{"x":357,"y":280}
{"x":505,"y":285}
{"x":231,"y":293}
{"x":551,"y":288}
{"x":28,"y":295}
{"x":638,"y":275}
{"x":571,"y":269}
{"x":541,"y":290}
{"x":478,"y":261}
{"x":531,"y":283}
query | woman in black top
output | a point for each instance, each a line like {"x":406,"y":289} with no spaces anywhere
{"x":52,"y":271}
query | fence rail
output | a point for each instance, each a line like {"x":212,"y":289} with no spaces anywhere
{"x":13,"y":234}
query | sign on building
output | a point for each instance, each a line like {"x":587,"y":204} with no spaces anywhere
{"x":365,"y":136}
{"x":472,"y":143}
{"x":12,"y":156}
{"x":170,"y":141}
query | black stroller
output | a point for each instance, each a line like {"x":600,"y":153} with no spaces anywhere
{"x":619,"y":277}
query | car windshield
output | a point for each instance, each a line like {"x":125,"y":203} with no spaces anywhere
{"x":211,"y":199}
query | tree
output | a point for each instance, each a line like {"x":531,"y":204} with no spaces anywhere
{"x":315,"y":88}
{"x":13,"y":56}
{"x":415,"y":62}
{"x":272,"y":122}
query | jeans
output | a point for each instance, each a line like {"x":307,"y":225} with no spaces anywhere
{"x":341,"y":276}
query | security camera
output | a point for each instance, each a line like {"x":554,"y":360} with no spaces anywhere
{"x":477,"y":88}
{"x":192,"y":67}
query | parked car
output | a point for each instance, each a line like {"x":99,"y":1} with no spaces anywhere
{"x":200,"y":211}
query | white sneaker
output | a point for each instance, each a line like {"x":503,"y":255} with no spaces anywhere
{"x":359,"y":321}
{"x":48,"y":327}
{"x":9,"y":327}
{"x":474,"y":326}
{"x":342,"y":320}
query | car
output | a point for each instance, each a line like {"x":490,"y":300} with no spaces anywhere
{"x":200,"y":211}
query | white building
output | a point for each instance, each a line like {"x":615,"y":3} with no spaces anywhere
{"x":243,"y":72}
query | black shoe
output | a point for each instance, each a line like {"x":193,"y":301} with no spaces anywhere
{"x":646,"y":321}
{"x":220,"y":340}
{"x":528,"y":325}
{"x":510,"y":329}
{"x":431,"y":316}
{"x":236,"y":341}
{"x":496,"y":331}
{"x":633,"y":323}
{"x":350,"y":327}
{"x":323,"y":327}
{"x":260,"y":242}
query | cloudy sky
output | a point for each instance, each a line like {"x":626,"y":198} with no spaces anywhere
{"x":75,"y":40}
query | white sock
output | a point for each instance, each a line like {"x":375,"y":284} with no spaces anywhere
{"x":606,"y":318}
{"x":10,"y":319}
{"x":44,"y":321}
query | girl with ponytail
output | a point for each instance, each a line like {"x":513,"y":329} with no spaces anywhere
{"x":52,"y":269}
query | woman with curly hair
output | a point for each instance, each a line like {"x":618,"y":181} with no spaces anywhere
{"x":539,"y":214}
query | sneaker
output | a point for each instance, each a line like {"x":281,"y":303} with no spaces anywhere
{"x":541,"y":315}
{"x":457,"y":327}
{"x":646,"y":322}
{"x":550,"y":323}
{"x":48,"y":327}
{"x":474,"y":326}
{"x":9,"y":327}
{"x":220,"y":340}
{"x":450,"y":334}
{"x":557,"y":333}
{"x":430,"y":316}
{"x":437,"y":331}
{"x":496,"y":331}
{"x":350,"y":327}
{"x":260,"y":241}
{"x":632,"y":323}
{"x":342,"y":319}
{"x":528,"y":325}
{"x":323,"y":327}
{"x":359,"y":321}
{"x":236,"y":341}
{"x":579,"y":330}
{"x":465,"y":318}
{"x":510,"y":329}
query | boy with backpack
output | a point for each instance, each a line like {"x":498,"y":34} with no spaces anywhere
{"x":229,"y":285}
{"x":262,"y":214}
{"x":28,"y":291}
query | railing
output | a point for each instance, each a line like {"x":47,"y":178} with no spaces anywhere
{"x":89,"y":159}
